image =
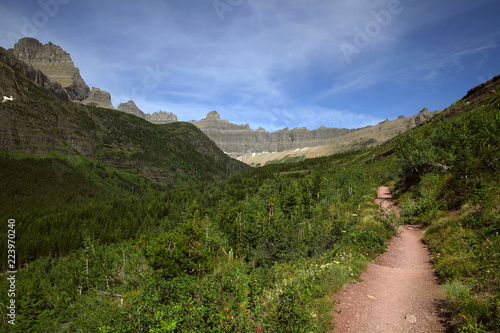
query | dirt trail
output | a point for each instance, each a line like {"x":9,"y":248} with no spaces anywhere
{"x":399,"y":293}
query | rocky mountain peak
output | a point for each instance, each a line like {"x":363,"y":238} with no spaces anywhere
{"x":213,"y":115}
{"x":99,"y":98}
{"x":131,"y":108}
{"x":54,"y":62}
{"x":161,"y":117}
{"x":34,"y":74}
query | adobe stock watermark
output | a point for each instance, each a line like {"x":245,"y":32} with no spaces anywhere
{"x":150,"y":81}
{"x":48,"y":10}
{"x":11,"y":272}
{"x":482,"y":79}
{"x":372,"y":29}
{"x":224,"y":6}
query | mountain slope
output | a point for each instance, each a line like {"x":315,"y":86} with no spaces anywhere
{"x":449,"y":182}
{"x":38,"y":122}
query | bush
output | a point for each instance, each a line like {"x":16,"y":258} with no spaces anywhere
{"x":181,"y":252}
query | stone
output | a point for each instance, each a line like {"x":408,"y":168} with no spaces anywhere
{"x":411,"y":318}
{"x":34,"y":74}
{"x":99,"y":98}
{"x":161,"y":117}
{"x":55,"y":63}
{"x":241,"y":139}
{"x":131,"y":108}
{"x":213,"y":115}
{"x":421,"y":117}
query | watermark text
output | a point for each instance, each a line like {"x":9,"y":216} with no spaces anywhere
{"x":11,"y":273}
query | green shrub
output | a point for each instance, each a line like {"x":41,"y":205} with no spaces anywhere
{"x":181,"y":252}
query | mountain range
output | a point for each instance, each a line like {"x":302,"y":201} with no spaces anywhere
{"x":41,"y":124}
{"x":253,"y":147}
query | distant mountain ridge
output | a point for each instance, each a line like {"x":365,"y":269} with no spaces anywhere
{"x":258,"y":147}
{"x":160,"y":117}
{"x":254,"y":147}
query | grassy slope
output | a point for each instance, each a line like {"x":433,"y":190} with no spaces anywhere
{"x":450,"y":171}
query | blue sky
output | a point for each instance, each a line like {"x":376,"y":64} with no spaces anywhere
{"x":275,"y":64}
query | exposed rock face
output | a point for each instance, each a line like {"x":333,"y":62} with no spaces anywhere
{"x":99,"y":98}
{"x":240,"y":139}
{"x":52,"y":67}
{"x":482,"y":90}
{"x":161,"y":117}
{"x":421,"y":117}
{"x":34,"y":74}
{"x":259,"y":147}
{"x":54,"y":62}
{"x":131,"y":108}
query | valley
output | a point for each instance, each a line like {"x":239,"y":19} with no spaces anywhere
{"x":126,"y":224}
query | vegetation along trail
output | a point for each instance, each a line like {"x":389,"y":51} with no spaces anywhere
{"x":399,"y":293}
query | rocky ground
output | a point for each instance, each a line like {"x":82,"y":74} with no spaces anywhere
{"x":400,"y":292}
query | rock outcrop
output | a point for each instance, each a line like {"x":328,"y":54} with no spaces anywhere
{"x":131,"y":108}
{"x":260,"y":147}
{"x":55,"y":63}
{"x":240,"y":139}
{"x":160,"y":117}
{"x":53,"y":68}
{"x":99,"y":98}
{"x":34,"y":74}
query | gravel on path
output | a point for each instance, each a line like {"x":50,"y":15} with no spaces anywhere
{"x":400,"y":292}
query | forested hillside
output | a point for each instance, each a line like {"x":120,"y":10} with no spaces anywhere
{"x":261,"y":251}
{"x":258,"y":250}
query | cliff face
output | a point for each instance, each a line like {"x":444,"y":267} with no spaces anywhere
{"x":260,"y":147}
{"x":160,"y":117}
{"x":37,"y":122}
{"x":240,"y":139}
{"x":54,"y":62}
{"x":327,"y":145}
{"x":99,"y":98}
{"x":32,"y":73}
{"x":131,"y":108}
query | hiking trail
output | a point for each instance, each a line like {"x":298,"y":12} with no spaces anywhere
{"x":398,"y":293}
